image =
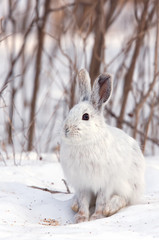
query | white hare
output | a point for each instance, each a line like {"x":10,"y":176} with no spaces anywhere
{"x":103,"y":164}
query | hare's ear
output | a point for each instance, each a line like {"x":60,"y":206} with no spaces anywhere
{"x":84,"y":85}
{"x":102,"y":90}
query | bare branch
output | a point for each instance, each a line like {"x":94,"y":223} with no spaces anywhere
{"x":61,"y":8}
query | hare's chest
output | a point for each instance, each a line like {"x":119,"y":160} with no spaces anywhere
{"x":83,"y":167}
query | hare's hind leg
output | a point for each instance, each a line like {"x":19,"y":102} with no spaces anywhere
{"x":106,"y":208}
{"x":114,"y":205}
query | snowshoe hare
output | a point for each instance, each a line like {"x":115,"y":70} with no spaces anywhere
{"x":104,"y":165}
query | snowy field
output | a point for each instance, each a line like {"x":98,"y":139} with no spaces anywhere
{"x":31,"y":213}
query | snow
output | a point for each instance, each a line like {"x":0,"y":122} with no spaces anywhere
{"x":31,"y":213}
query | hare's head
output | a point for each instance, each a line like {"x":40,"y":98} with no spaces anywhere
{"x":85,"y":120}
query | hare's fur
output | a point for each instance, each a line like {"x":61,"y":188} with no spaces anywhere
{"x":103,"y":164}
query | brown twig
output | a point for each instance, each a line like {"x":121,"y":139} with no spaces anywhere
{"x":66,"y":185}
{"x":148,"y":124}
{"x":40,"y":36}
{"x":129,"y":74}
{"x":143,"y":99}
{"x":61,"y":7}
{"x":48,"y":190}
{"x":127,"y":123}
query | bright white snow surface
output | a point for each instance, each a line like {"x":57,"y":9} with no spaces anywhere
{"x":26,"y":212}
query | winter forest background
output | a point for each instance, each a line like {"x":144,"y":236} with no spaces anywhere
{"x":43,"y":44}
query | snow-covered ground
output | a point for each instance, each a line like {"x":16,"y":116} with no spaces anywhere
{"x":31,"y":213}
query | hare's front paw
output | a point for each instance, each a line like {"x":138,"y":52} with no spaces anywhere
{"x":114,"y":205}
{"x":81,"y":216}
{"x":81,"y":203}
{"x":75,"y":205}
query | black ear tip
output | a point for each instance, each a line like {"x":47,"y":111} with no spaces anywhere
{"x":104,"y":78}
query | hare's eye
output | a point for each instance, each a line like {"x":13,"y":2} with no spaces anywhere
{"x":85,"y":116}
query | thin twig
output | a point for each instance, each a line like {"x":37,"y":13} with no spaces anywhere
{"x":61,"y":8}
{"x":66,"y":185}
{"x":153,"y":140}
{"x":148,"y":124}
{"x":48,"y":190}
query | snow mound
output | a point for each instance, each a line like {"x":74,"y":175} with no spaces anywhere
{"x":29,"y":211}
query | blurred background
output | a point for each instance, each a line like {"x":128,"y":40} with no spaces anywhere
{"x":43,"y":44}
